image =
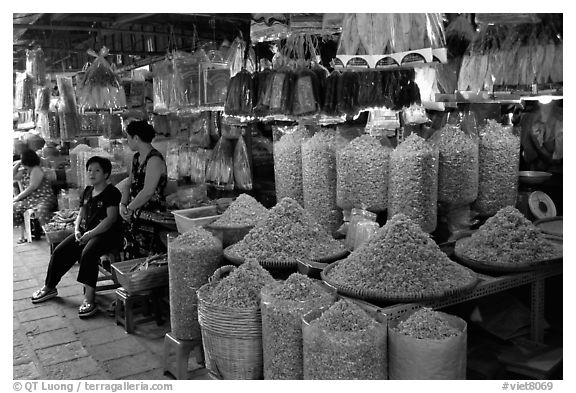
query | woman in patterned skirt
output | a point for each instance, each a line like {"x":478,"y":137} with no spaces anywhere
{"x":147,"y":181}
{"x":37,"y":193}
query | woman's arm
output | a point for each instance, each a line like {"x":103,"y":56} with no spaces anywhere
{"x":16,"y":173}
{"x":36,"y":176}
{"x":104,"y":226}
{"x":77,"y":232}
{"x":124,"y":187}
{"x":154,"y":170}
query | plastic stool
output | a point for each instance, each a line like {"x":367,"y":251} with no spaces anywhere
{"x":127,"y":305}
{"x":181,"y":350}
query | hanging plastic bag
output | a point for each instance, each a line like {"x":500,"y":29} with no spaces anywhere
{"x":214,"y":125}
{"x":36,"y":65}
{"x":240,"y":95}
{"x":263,"y":80}
{"x":280,"y":91}
{"x":242,"y":172}
{"x":305,"y":93}
{"x":69,"y":120}
{"x":43,"y":99}
{"x":162,"y":86}
{"x":184,"y":161}
{"x":330,"y":100}
{"x":198,"y":130}
{"x":347,"y":101}
{"x":24,"y":94}
{"x":198,"y":161}
{"x":235,"y":56}
{"x":172,"y":159}
{"x":220,"y":172}
{"x":186,"y":90}
{"x":100,"y":88}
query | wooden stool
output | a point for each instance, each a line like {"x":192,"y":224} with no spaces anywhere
{"x":181,"y":350}
{"x":105,"y":270}
{"x":127,"y":305}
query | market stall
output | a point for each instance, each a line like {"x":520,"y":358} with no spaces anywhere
{"x":333,"y":181}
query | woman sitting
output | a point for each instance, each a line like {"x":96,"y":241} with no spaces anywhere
{"x":37,"y":193}
{"x":145,"y":192}
{"x":97,"y":232}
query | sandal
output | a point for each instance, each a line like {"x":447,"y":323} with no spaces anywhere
{"x":87,"y":309}
{"x":22,"y":240}
{"x":44,"y":294}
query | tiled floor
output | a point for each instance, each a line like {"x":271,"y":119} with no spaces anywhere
{"x":51,"y":342}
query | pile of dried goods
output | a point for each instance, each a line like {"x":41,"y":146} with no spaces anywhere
{"x":362,"y":174}
{"x":499,"y":155}
{"x":508,"y":238}
{"x":345,"y":343}
{"x":400,"y":260}
{"x":413,"y":186}
{"x":427,"y":324}
{"x":319,"y":179}
{"x":192,"y":258}
{"x":244,"y":211}
{"x":287,"y":233}
{"x":288,"y":164}
{"x":458,"y":166}
{"x":283,"y":305}
{"x":241,"y":288}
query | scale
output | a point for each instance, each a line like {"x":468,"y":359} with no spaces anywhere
{"x":533,"y":203}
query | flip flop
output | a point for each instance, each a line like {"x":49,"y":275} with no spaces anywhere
{"x":87,"y":309}
{"x":22,"y":240}
{"x":42,"y":295}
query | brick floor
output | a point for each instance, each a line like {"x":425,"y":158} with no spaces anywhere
{"x":51,"y":342}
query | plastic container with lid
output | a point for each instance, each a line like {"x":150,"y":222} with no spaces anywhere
{"x":357,"y":216}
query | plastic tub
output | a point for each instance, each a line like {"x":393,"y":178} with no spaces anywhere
{"x":194,"y":217}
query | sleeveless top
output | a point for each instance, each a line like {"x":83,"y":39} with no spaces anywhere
{"x":43,"y":193}
{"x":158,"y":201}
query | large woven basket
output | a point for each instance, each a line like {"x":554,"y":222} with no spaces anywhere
{"x":232,"y":337}
{"x":396,"y":297}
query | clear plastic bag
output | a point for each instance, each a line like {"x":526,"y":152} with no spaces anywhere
{"x":413,"y":187}
{"x":186,"y":87}
{"x":242,"y":171}
{"x":69,"y":120}
{"x":357,"y":216}
{"x":305,"y":100}
{"x":184,"y":160}
{"x":172,"y":158}
{"x":498,"y":161}
{"x":198,"y":130}
{"x":24,"y":93}
{"x":240,"y":95}
{"x":220,"y":169}
{"x":100,"y":88}
{"x":198,"y":161}
{"x":162,"y":85}
{"x":36,"y":65}
{"x":363,"y":168}
{"x":457,"y":167}
{"x":288,"y":161}
{"x":43,"y":99}
{"x":319,"y":180}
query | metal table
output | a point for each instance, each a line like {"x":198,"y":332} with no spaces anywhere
{"x":489,"y":285}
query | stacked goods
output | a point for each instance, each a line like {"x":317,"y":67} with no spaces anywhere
{"x":344,"y":342}
{"x":283,"y":306}
{"x":319,"y":180}
{"x":231,"y":321}
{"x":499,"y":156}
{"x":427,"y":345}
{"x":458,"y":166}
{"x":286,"y":234}
{"x":288,"y":164}
{"x":192,"y":258}
{"x":400,"y":261}
{"x":413,"y":187}
{"x":509,"y":238}
{"x":244,"y":211}
{"x":362,"y":174}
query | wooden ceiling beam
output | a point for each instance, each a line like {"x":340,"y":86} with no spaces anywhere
{"x":129,"y":19}
{"x":88,"y":28}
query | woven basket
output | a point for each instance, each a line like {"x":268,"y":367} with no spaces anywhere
{"x":232,"y":337}
{"x":397,"y":297}
{"x":501,"y":267}
{"x":283,"y":264}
